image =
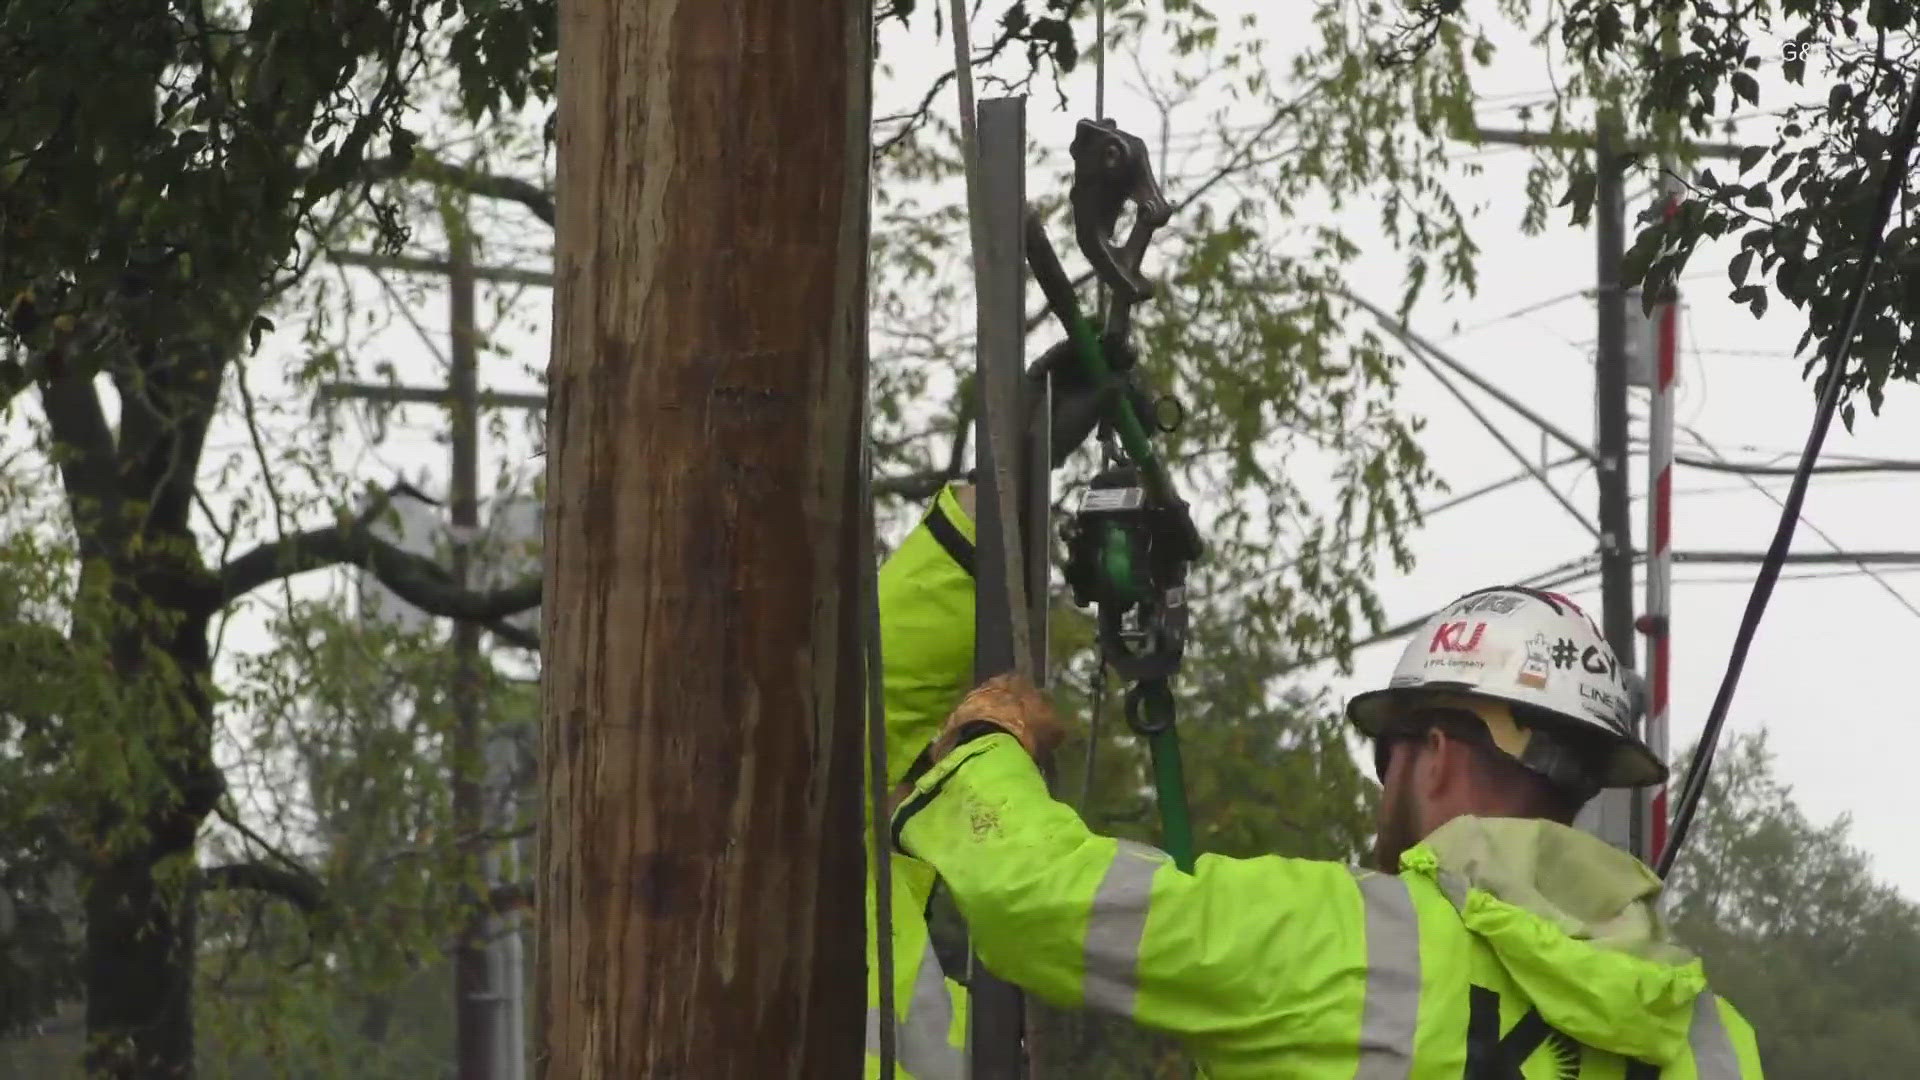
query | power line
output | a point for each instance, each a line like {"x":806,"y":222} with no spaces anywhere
{"x":1732,"y":489}
{"x":1776,"y":453}
{"x":1898,"y":597}
{"x":1409,"y":337}
{"x":1767,"y":354}
{"x":1522,"y":312}
{"x":1810,"y":575}
{"x":1497,"y":485}
{"x":1586,"y":567}
{"x":1500,"y":436}
{"x":1545,"y":579}
{"x":1423,"y":513}
{"x":1882,"y":465}
{"x":1862,"y":558}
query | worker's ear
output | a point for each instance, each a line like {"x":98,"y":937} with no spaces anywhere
{"x":1440,"y":767}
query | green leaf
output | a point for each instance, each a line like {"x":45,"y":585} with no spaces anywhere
{"x":1750,"y":156}
{"x":1737,"y":269}
{"x":1580,"y":190}
{"x":1607,"y":28}
{"x":1638,"y":259}
{"x":403,"y":144}
{"x":261,"y":325}
{"x":1746,"y":86}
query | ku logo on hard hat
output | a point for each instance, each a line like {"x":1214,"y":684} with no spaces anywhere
{"x":1454,"y":637}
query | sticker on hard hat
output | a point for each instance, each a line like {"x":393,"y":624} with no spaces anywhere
{"x":1608,"y":707}
{"x":1497,"y":603}
{"x":1599,"y":663}
{"x":1537,"y":666}
{"x":1568,"y":601}
{"x":1487,"y":658}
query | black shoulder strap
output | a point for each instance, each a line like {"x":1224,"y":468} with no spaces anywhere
{"x":943,"y":530}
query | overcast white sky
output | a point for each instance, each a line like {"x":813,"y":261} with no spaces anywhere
{"x":1824,"y":675}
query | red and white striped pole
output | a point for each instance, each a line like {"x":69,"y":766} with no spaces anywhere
{"x":1656,"y":622}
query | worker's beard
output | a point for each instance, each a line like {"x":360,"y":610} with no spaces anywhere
{"x":1399,"y":823}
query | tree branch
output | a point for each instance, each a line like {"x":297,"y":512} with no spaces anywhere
{"x":923,"y":484}
{"x":84,"y":448}
{"x":512,"y":635}
{"x":298,"y":888}
{"x":417,"y":580}
{"x":487,"y":185}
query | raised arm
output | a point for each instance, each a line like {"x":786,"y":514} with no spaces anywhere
{"x":1232,"y":957}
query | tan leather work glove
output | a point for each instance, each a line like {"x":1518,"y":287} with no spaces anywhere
{"x":1012,"y":703}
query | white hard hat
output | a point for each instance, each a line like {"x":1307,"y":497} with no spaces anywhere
{"x":1542,"y":657}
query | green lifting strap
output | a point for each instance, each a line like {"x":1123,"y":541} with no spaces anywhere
{"x":1155,"y":700}
{"x":1150,"y":704}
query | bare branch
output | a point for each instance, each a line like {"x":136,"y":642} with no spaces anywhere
{"x":487,"y":185}
{"x":513,"y":635}
{"x":301,"y":889}
{"x":417,"y":580}
{"x":924,"y":484}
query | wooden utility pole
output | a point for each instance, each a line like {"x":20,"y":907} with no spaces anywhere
{"x":1616,"y":816}
{"x":482,"y":1050}
{"x":1610,"y":392}
{"x":699,"y":899}
{"x":473,"y":1011}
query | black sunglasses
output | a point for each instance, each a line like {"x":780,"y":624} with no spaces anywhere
{"x":1414,"y":727}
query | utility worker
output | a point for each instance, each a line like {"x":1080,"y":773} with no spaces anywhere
{"x":1493,"y":941}
{"x":926,"y":640}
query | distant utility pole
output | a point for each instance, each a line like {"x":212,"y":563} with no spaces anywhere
{"x":489,"y":1020}
{"x":1657,"y":620}
{"x":1610,"y":393}
{"x":1617,"y":816}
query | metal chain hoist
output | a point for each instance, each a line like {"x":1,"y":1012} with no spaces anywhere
{"x":1131,"y":538}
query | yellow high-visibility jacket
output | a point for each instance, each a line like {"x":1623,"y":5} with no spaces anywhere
{"x":926,"y":641}
{"x":1504,"y":949}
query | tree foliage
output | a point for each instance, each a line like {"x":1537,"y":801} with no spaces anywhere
{"x":1831,"y":75}
{"x":167,"y":172}
{"x":1823,"y":959}
{"x":354,"y":720}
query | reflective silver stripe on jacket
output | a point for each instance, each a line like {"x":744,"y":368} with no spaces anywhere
{"x":1115,"y":925}
{"x":1713,"y":1054}
{"x":1391,"y":1014}
{"x":921,"y":1040}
